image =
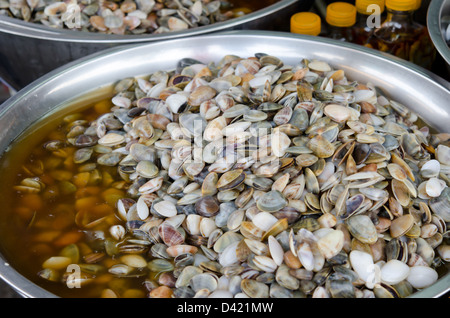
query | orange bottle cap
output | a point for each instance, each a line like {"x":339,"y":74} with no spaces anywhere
{"x":418,"y":5}
{"x":341,"y":14}
{"x":361,"y":5}
{"x":306,"y":23}
{"x":401,"y":5}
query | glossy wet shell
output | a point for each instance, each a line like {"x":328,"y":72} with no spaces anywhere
{"x":362,"y":228}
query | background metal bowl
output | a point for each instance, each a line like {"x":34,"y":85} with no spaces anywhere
{"x":436,"y":27}
{"x":399,"y":79}
{"x":30,"y":50}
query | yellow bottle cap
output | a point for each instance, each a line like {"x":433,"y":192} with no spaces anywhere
{"x":306,"y":23}
{"x":401,"y":5}
{"x":341,"y":14}
{"x":361,"y":5}
{"x":418,"y":5}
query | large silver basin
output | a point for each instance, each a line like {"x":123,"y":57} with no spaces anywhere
{"x":420,"y":90}
{"x":29,"y":50}
{"x":437,"y":10}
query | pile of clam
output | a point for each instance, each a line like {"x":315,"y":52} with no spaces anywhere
{"x":252,"y":178}
{"x":120,"y":17}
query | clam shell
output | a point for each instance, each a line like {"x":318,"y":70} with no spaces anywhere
{"x":271,"y":201}
{"x":337,"y":113}
{"x":204,"y":281}
{"x":422,"y":276}
{"x":207,"y":206}
{"x":331,"y":244}
{"x":401,"y":225}
{"x":170,"y":235}
{"x":362,"y":228}
{"x":180,"y":249}
{"x":254,"y":289}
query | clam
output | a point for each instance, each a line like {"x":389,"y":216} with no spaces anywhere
{"x":421,"y":276}
{"x":170,"y":235}
{"x":430,"y":169}
{"x":204,"y":281}
{"x":362,"y":228}
{"x":230,"y":179}
{"x":165,"y":208}
{"x":254,"y":289}
{"x":272,"y":201}
{"x":147,"y":169}
{"x":331,"y":244}
{"x":280,"y":142}
{"x":394,"y":271}
{"x":401,"y":225}
{"x":176,"y":250}
{"x":337,"y":113}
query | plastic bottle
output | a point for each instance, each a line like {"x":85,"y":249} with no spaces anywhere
{"x":307,"y":23}
{"x":367,"y":18}
{"x":340,"y":18}
{"x":402,"y":36}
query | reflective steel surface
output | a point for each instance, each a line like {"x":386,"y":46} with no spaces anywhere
{"x":436,"y":26}
{"x":420,"y":90}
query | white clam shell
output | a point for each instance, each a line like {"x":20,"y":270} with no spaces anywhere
{"x":280,"y":142}
{"x":175,"y":101}
{"x":260,"y":81}
{"x":276,"y":250}
{"x":193,"y":223}
{"x":228,"y":256}
{"x":176,"y":220}
{"x":364,"y":95}
{"x":166,"y":208}
{"x":156,"y":90}
{"x":320,"y":292}
{"x":204,"y":280}
{"x":331,"y":243}
{"x":430,"y":169}
{"x":338,"y":113}
{"x":111,"y":139}
{"x":207,"y":226}
{"x":320,"y":66}
{"x":306,"y":256}
{"x":117,"y":231}
{"x":121,"y":101}
{"x":236,"y":128}
{"x":443,"y":154}
{"x":142,"y":208}
{"x":234,"y":284}
{"x":362,"y":263}
{"x":213,"y":130}
{"x":264,"y":220}
{"x":422,"y":276}
{"x":434,"y":187}
{"x":444,"y":252}
{"x":394,"y":271}
{"x":265,"y":263}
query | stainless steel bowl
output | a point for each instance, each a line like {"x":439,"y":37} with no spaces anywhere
{"x":436,"y":27}
{"x":30,"y":50}
{"x":420,"y":90}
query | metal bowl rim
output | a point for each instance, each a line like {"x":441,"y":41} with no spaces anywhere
{"x":28,"y":289}
{"x":434,"y":15}
{"x":28,"y":29}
